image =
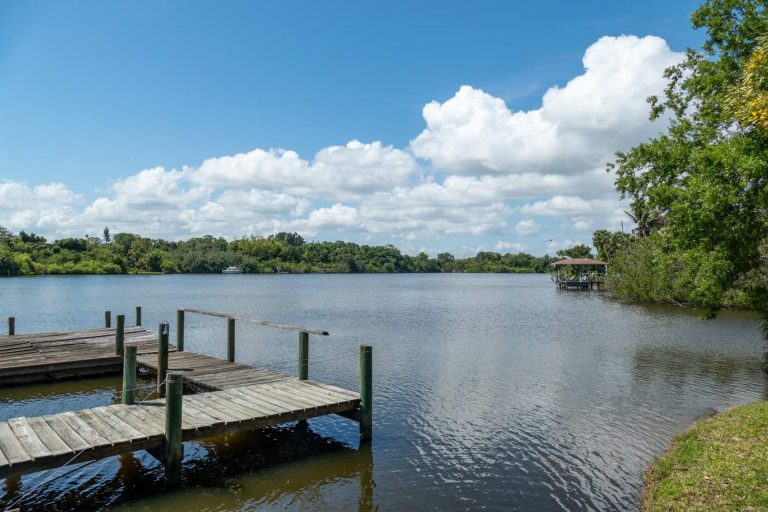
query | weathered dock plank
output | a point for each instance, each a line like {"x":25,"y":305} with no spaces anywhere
{"x":210,"y":374}
{"x":233,"y":397}
{"x":43,"y":357}
{"x":28,"y":444}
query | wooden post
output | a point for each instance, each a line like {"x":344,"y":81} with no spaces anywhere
{"x":120,"y":335}
{"x":162,"y":358}
{"x":138,"y":316}
{"x":366,"y":391}
{"x":129,"y":374}
{"x":173,"y":449}
{"x":107,"y":319}
{"x":180,"y":330}
{"x":12,"y":486}
{"x":303,"y":355}
{"x":11,"y":326}
{"x":231,"y":340}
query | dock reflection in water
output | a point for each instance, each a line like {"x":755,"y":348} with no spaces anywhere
{"x":286,"y":467}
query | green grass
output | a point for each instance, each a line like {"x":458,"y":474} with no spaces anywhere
{"x":721,"y":463}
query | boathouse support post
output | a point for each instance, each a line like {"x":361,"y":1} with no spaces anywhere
{"x":173,"y":449}
{"x":231,"y":340}
{"x":162,"y":358}
{"x":120,"y":335}
{"x":129,"y":374}
{"x":180,"y":330}
{"x":138,"y":316}
{"x":366,"y":392}
{"x":11,"y":326}
{"x":107,"y":319}
{"x":303,"y":355}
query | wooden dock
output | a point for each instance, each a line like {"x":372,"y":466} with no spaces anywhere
{"x":32,"y":444}
{"x":227,"y":396}
{"x":204,"y":373}
{"x":44,"y":357}
{"x":579,"y":273}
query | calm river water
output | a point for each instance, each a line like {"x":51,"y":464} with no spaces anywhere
{"x":491,"y":392}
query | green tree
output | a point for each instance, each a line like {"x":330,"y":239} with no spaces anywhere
{"x":8,"y":265}
{"x":609,"y":243}
{"x":705,"y":177}
{"x":577,"y":251}
{"x":445,"y":261}
{"x":289,"y":238}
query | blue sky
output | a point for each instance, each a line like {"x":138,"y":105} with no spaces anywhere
{"x":94,"y":93}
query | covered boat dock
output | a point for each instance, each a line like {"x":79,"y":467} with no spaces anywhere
{"x":579,"y":273}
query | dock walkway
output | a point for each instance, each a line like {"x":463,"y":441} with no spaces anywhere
{"x":31,"y":444}
{"x":205,"y":373}
{"x":227,"y":396}
{"x":43,"y":357}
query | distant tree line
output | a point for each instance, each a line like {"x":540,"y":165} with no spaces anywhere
{"x":123,"y":253}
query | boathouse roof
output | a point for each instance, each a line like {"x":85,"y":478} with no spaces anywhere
{"x":578,"y":261}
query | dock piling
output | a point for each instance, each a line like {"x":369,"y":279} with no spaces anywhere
{"x":107,"y":319}
{"x":231,"y":398}
{"x":11,"y":326}
{"x":366,"y":392}
{"x":129,"y":374}
{"x":162,"y":358}
{"x":138,"y":316}
{"x":303,"y":355}
{"x":231,"y":340}
{"x":120,"y":335}
{"x":180,"y":330}
{"x":173,"y":449}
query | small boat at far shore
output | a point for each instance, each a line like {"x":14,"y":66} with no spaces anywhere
{"x":232,"y":270}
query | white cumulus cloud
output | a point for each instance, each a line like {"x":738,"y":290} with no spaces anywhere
{"x":474,"y":166}
{"x":336,"y":171}
{"x":526,"y":227}
{"x":576,"y":128}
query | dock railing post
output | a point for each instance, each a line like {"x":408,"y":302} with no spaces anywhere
{"x":11,"y":326}
{"x":303,"y":355}
{"x":138,"y":316}
{"x":162,"y":358}
{"x":173,"y":449}
{"x":120,"y":335}
{"x":231,"y":340}
{"x":129,"y":374}
{"x":180,"y":330}
{"x":107,"y":319}
{"x":366,"y":392}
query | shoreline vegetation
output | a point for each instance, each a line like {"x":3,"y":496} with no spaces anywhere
{"x":720,"y":463}
{"x":26,"y":254}
{"x":698,"y":194}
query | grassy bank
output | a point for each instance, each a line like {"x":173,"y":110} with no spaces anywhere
{"x":721,"y":463}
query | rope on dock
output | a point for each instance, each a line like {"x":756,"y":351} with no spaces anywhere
{"x":70,"y":461}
